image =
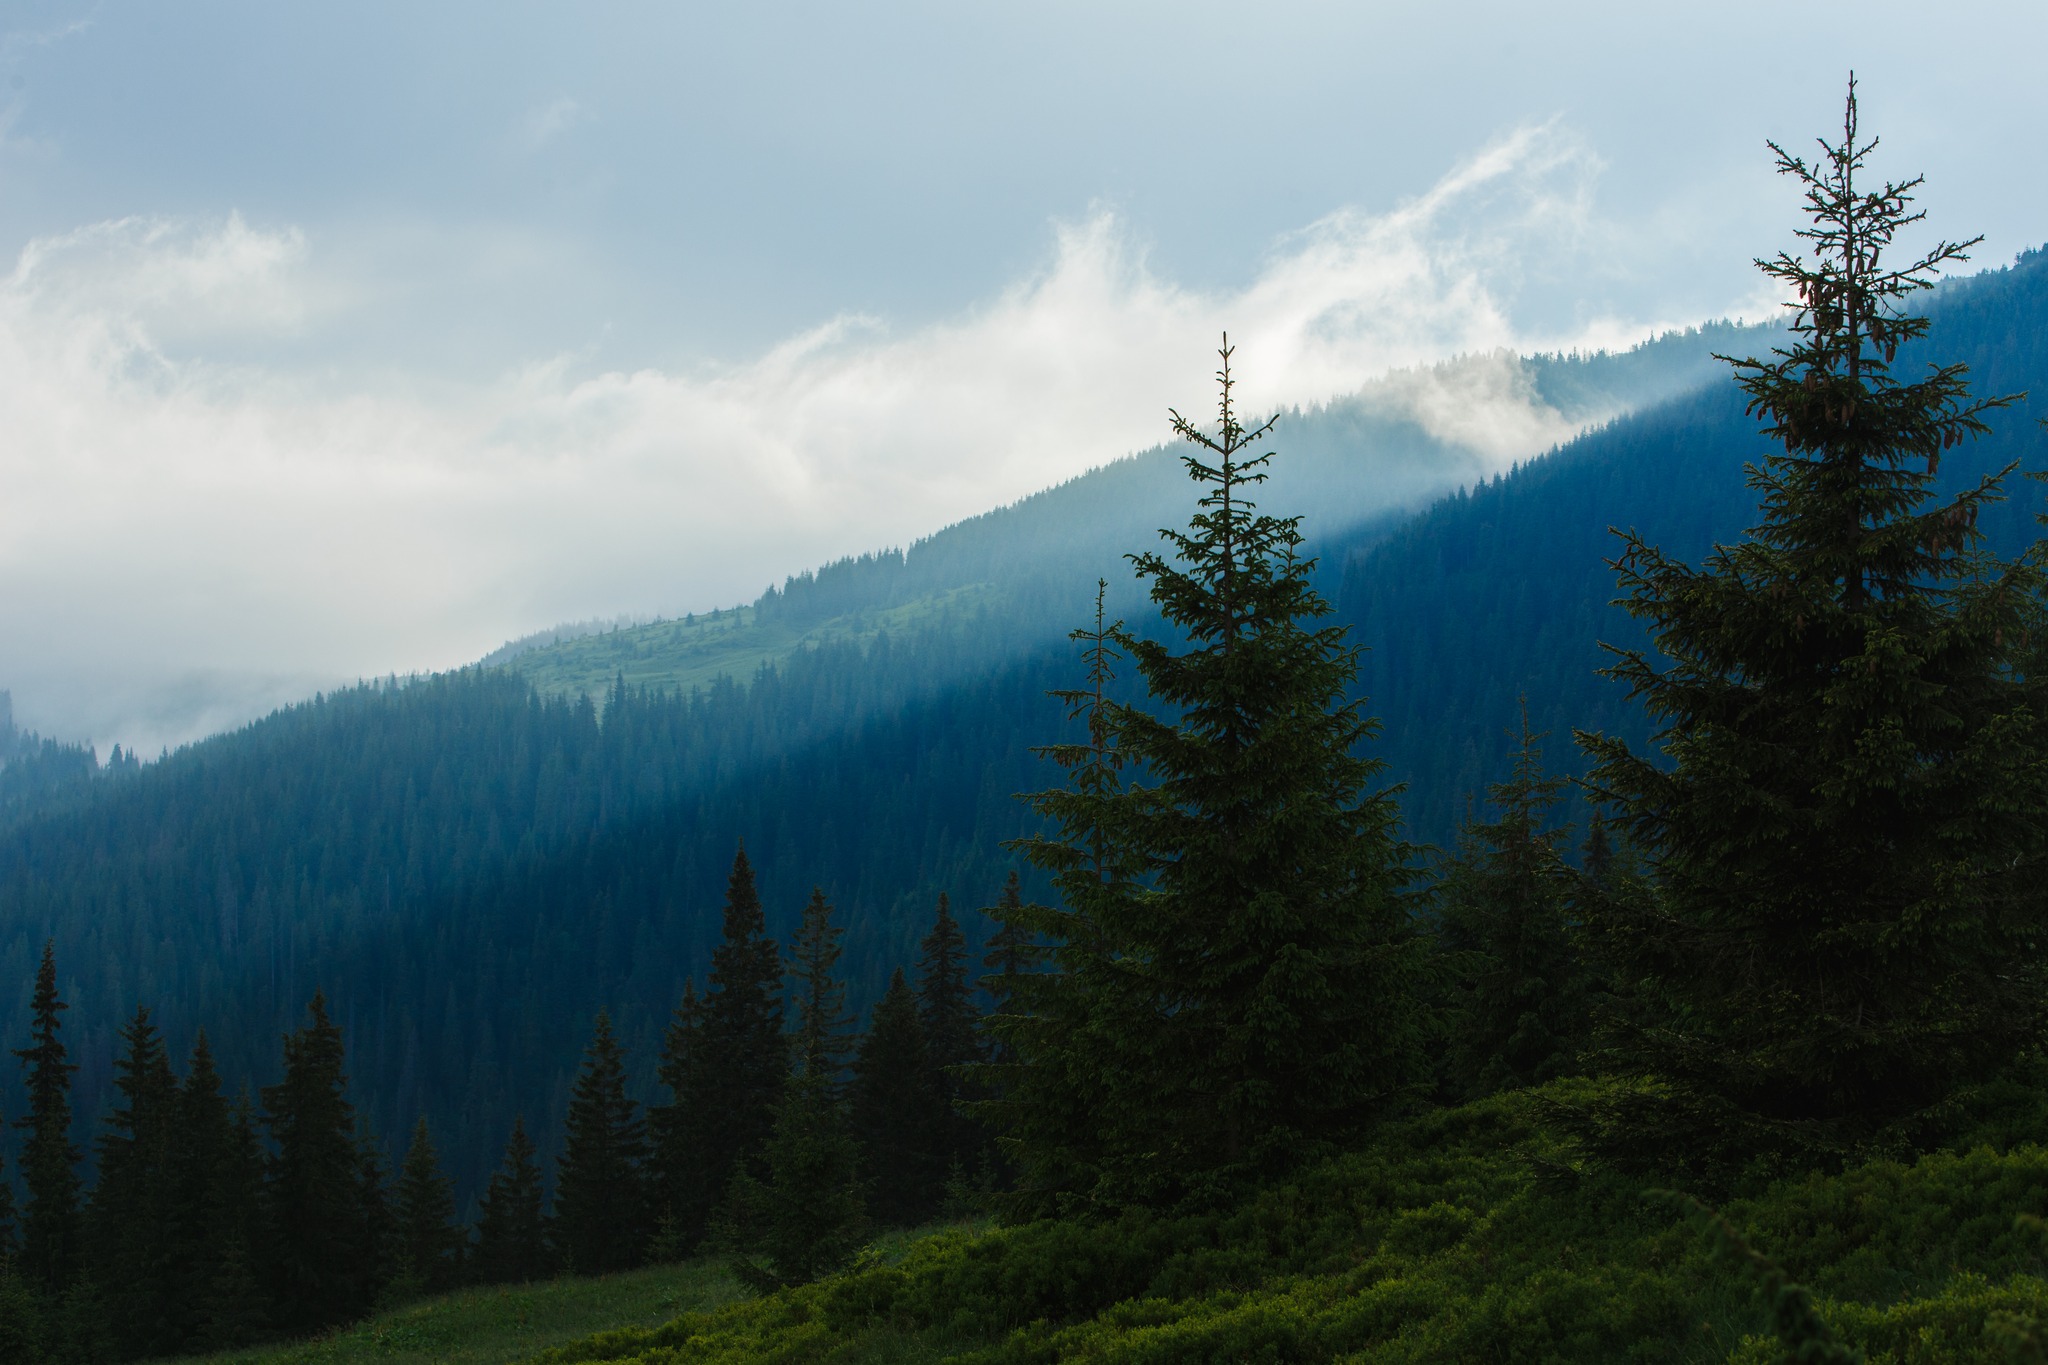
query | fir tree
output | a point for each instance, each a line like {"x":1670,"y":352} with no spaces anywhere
{"x":745,"y":1057}
{"x":809,"y":1218}
{"x":510,"y":1231}
{"x":132,"y":1215}
{"x":601,"y":1215}
{"x":1255,"y":998}
{"x":898,"y":1112}
{"x":50,"y":1225}
{"x":1520,"y":1015}
{"x":317,"y":1228}
{"x":429,"y":1244}
{"x":1059,"y":1042}
{"x":950,"y":1021}
{"x":822,"y":1024}
{"x":675,"y":1137}
{"x":1846,"y":824}
{"x":375,"y":1259}
{"x":218,"y":1179}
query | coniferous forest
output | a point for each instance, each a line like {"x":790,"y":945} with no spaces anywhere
{"x":1597,"y":917}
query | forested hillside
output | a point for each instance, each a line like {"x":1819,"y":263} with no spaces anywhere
{"x":470,"y":871}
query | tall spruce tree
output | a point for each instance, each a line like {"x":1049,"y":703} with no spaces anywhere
{"x":317,"y":1227}
{"x":376,"y":1255}
{"x":511,"y":1243}
{"x":675,"y":1131}
{"x":601,"y":1212}
{"x":1846,"y":823}
{"x":1257,"y":970}
{"x":805,"y":1216}
{"x":429,"y":1245}
{"x":1519,"y":1012}
{"x":51,"y":1226}
{"x":744,"y":1056}
{"x":132,"y":1216}
{"x":218,"y":1182}
{"x":1059,"y":1043}
{"x":946,"y":1008}
{"x":898,"y":1112}
{"x":823,"y":1026}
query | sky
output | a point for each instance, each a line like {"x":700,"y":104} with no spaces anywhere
{"x":345,"y":340}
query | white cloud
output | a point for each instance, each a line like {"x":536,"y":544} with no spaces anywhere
{"x":547,"y":121}
{"x":175,"y":525}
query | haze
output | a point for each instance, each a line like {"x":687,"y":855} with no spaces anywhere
{"x":349,"y":340}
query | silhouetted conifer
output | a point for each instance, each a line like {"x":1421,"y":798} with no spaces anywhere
{"x":809,"y":1218}
{"x":429,"y":1245}
{"x":822,"y":1023}
{"x":1519,"y":1012}
{"x":898,"y":1112}
{"x":946,"y":1008}
{"x":511,"y":1242}
{"x":1846,"y":825}
{"x":1254,"y":996}
{"x":317,"y":1229}
{"x":377,"y":1249}
{"x":745,"y":1056}
{"x":601,"y":1216}
{"x":50,"y":1225}
{"x":133,"y":1212}
{"x":218,"y":1176}
{"x":674,"y":1131}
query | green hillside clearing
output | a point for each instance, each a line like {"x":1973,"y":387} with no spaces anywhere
{"x":696,"y":651}
{"x":504,"y":1323}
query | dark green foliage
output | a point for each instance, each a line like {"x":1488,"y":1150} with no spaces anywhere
{"x":601,"y":1221}
{"x":511,"y":1246}
{"x":807,"y":1218}
{"x":375,"y":1259}
{"x":675,"y":1180}
{"x":1846,"y":827}
{"x":220,"y":1203}
{"x":1258,"y":978}
{"x":429,"y":1245}
{"x":744,"y":1055}
{"x":1520,"y":994}
{"x":951,"y":1035}
{"x":1803,"y":1334}
{"x":51,"y":1227}
{"x":898,"y":1112}
{"x":823,"y":1028}
{"x":133,"y":1215}
{"x":317,"y":1227}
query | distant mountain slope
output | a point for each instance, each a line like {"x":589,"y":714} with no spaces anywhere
{"x":471,"y":868}
{"x":1353,"y":467}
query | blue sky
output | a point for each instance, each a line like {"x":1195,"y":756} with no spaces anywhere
{"x":347,"y":339}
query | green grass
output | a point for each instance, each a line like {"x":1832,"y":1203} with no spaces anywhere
{"x":1475,"y":1234}
{"x":681,"y":655}
{"x":507,"y":1323}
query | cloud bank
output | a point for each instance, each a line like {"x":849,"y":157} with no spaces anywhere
{"x":193,"y":529}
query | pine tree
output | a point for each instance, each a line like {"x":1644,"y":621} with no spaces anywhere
{"x":317,"y":1228}
{"x":51,"y":1231}
{"x":810,"y":1218}
{"x":1257,"y":971}
{"x":1520,"y":1016}
{"x":822,"y":1023}
{"x":1060,"y":1044}
{"x":218,"y":1182}
{"x":131,"y":1217}
{"x":1846,"y":825}
{"x":1011,"y":952}
{"x":511,"y":1243}
{"x":675,"y":1132}
{"x":429,"y":1244}
{"x":947,"y":1011}
{"x":898,"y":1112}
{"x":601,"y":1216}
{"x":745,"y":1057}
{"x":376,"y":1255}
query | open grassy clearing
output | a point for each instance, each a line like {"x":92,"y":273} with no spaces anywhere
{"x":506,"y":1323}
